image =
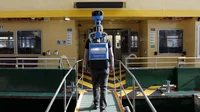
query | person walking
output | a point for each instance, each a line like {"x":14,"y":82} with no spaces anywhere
{"x":99,"y":70}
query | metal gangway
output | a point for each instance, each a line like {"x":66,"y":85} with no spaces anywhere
{"x":84,"y":99}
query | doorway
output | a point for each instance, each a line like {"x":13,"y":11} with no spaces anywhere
{"x":119,"y":39}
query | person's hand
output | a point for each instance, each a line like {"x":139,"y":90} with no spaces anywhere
{"x":85,"y":68}
{"x":112,"y":69}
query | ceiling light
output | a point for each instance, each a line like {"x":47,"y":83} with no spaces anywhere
{"x":67,"y":19}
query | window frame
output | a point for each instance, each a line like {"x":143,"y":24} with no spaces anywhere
{"x":169,"y":29}
{"x":16,"y":43}
{"x":14,"y":38}
{"x":129,"y":38}
{"x":129,"y":41}
{"x":135,"y":49}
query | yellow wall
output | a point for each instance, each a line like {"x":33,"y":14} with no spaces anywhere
{"x":188,"y":27}
{"x":161,"y":25}
{"x":143,"y":39}
{"x":189,"y":37}
{"x":51,"y":31}
{"x":56,"y":30}
{"x":107,"y":25}
{"x":190,"y":40}
{"x":65,"y":8}
{"x":130,"y":4}
{"x":142,"y":45}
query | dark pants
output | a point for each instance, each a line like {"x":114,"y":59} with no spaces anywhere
{"x":100,"y":78}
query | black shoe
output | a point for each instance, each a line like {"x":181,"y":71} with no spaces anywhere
{"x":95,"y":106}
{"x":102,"y":110}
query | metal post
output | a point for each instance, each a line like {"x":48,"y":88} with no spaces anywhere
{"x":168,"y":86}
{"x":77,"y":81}
{"x":133,"y":95}
{"x":46,"y":63}
{"x":120,"y":80}
{"x":126,"y":62}
{"x":147,"y":99}
{"x":17,"y":63}
{"x":60,"y":63}
{"x":57,"y":91}
{"x":185,"y":62}
{"x":72,"y":85}
{"x":22,"y":63}
{"x":155,"y":62}
{"x":178,"y":62}
{"x":114,"y":79}
{"x":82,"y":74}
{"x":65,"y":95}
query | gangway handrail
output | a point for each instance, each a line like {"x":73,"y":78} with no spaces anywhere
{"x":125,"y":94}
{"x":67,"y":74}
{"x":146,"y":98}
{"x":66,"y":58}
{"x":62,"y":82}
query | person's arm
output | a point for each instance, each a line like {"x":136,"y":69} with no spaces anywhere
{"x":86,"y":55}
{"x":111,"y":56}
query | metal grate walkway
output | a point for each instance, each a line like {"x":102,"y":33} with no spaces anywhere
{"x":85,"y":101}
